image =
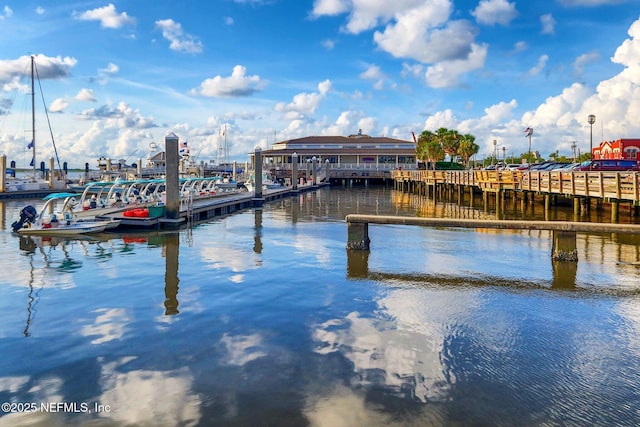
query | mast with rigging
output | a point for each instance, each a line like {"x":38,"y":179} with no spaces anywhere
{"x":33,"y":115}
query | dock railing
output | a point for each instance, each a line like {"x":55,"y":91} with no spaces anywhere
{"x":620,"y":186}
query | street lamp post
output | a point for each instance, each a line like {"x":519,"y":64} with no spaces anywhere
{"x":529,"y":132}
{"x":495,"y":143}
{"x":573,"y":149}
{"x":592,"y":120}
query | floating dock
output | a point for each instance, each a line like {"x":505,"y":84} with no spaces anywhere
{"x":200,"y":210}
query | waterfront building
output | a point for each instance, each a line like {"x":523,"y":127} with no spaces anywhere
{"x":620,"y":149}
{"x":341,"y":155}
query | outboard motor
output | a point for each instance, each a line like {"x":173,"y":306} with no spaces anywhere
{"x":27,"y":215}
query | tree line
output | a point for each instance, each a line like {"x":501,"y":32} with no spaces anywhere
{"x":432,"y":147}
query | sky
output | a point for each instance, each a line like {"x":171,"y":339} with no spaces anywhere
{"x":227,"y":76}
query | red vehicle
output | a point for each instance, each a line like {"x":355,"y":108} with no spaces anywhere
{"x":609,"y":165}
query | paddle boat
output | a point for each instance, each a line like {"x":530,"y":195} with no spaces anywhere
{"x":51,"y":222}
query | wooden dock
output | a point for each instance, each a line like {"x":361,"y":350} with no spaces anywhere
{"x":583,"y":188}
{"x":200,"y":210}
{"x":564,"y":232}
{"x":621,"y":186}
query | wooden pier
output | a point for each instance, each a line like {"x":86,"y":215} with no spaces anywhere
{"x":582,"y":188}
{"x":564,"y":232}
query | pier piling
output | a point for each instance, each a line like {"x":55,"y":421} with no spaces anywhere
{"x":172,"y":202}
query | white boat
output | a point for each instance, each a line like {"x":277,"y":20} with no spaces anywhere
{"x":51,"y":223}
{"x":267,"y":184}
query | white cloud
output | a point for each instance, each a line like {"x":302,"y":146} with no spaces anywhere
{"x":440,"y":119}
{"x":121,"y":116}
{"x":58,"y":105}
{"x":422,"y":31}
{"x":520,"y":46}
{"x":491,"y":12}
{"x":329,"y":7}
{"x":363,"y":15}
{"x":447,"y":73}
{"x":537,"y":69}
{"x":373,"y":72}
{"x":86,"y":95}
{"x":557,"y":110}
{"x":548,"y":24}
{"x":238,"y":84}
{"x":500,"y":112}
{"x":111,"y":69}
{"x":180,"y":42}
{"x":7,"y":12}
{"x":562,"y":118}
{"x":346,"y":123}
{"x":13,"y":71}
{"x":328,"y":44}
{"x":628,"y":54}
{"x":425,"y":35}
{"x":107,"y":16}
{"x":583,"y":60}
{"x":304,"y":103}
{"x":589,"y":2}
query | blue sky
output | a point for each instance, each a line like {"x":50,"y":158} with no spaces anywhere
{"x":119,"y":75}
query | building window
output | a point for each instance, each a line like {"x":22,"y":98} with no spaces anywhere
{"x":406,"y":159}
{"x":387,"y":159}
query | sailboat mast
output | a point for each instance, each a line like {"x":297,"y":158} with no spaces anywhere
{"x":33,"y":115}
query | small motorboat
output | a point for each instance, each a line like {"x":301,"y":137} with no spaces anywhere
{"x":50,"y":223}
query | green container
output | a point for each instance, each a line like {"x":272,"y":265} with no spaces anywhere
{"x":156,"y":211}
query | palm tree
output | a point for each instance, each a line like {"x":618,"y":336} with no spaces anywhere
{"x":449,"y":140}
{"x":467,"y":147}
{"x":429,"y":148}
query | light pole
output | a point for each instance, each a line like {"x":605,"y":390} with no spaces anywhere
{"x":504,"y":155}
{"x":591,"y":119}
{"x":494,"y":151}
{"x":529,"y":131}
{"x":573,"y":149}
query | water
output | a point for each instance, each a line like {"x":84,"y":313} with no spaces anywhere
{"x":263,"y":318}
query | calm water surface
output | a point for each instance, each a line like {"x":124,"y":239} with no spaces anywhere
{"x":263,"y":318}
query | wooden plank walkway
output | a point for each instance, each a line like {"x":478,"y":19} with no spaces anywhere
{"x":618,"y":186}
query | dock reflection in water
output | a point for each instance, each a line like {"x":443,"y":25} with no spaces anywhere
{"x":264,"y":318}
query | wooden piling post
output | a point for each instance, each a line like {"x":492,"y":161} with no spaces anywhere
{"x":564,"y":246}
{"x":257,"y":178}
{"x":172,"y":203}
{"x":294,"y":172}
{"x":358,"y":236}
{"x":3,"y":173}
{"x":547,"y":203}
